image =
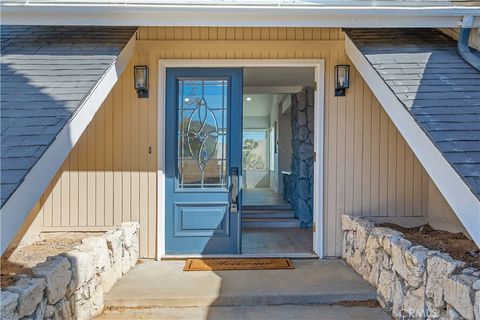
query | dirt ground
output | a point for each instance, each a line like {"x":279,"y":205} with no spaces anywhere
{"x":457,"y":245}
{"x":22,"y":259}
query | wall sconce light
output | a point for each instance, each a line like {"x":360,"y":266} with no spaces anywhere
{"x":141,"y":81}
{"x":342,"y":79}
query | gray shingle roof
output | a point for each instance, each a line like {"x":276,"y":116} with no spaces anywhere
{"x":439,"y":89}
{"x":46,"y":73}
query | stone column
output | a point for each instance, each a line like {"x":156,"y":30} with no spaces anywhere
{"x":301,"y":180}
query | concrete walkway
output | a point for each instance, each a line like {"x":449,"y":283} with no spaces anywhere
{"x":164,"y":284}
{"x":285,"y":312}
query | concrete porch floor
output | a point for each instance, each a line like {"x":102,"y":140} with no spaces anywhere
{"x":161,"y":290}
{"x":165,"y":284}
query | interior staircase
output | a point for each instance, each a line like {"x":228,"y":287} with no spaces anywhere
{"x":263,"y":208}
{"x":269,"y":216}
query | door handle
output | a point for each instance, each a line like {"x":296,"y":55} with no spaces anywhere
{"x":234,"y":191}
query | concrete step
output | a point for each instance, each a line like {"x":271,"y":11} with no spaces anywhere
{"x":286,"y":207}
{"x":270,"y":223}
{"x":165,"y":284}
{"x":286,"y":312}
{"x":268,"y":214}
{"x":259,"y":210}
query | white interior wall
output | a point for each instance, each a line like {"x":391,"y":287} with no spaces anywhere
{"x":284,"y":140}
{"x":256,"y":122}
{"x":262,"y":112}
{"x":256,"y":115}
{"x":274,"y":172}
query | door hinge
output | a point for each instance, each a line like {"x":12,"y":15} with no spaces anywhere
{"x":314,"y":227}
{"x":314,"y":156}
{"x":315,"y":85}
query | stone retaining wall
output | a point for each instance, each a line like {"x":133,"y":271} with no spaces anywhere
{"x":71,"y":285}
{"x":412,"y":281}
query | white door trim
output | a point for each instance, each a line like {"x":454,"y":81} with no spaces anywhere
{"x":319,"y":100}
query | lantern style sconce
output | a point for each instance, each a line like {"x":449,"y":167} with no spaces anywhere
{"x":141,"y":81}
{"x":342,"y":79}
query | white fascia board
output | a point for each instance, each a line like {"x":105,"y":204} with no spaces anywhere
{"x":457,"y":193}
{"x":234,"y":16}
{"x":18,"y":206}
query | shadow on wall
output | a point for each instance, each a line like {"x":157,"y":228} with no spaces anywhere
{"x":109,"y":175}
{"x":28,"y":129}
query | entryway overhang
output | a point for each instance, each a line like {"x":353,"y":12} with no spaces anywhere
{"x":430,"y":94}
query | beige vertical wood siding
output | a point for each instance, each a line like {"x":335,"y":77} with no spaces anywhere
{"x":110,"y":175}
{"x":369,"y":168}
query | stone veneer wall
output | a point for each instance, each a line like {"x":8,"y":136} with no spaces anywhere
{"x":412,"y":281}
{"x":299,"y":185}
{"x":71,"y":285}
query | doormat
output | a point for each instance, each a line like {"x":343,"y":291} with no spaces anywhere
{"x":214,"y":264}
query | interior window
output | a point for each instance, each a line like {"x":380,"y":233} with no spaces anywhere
{"x":255,"y":149}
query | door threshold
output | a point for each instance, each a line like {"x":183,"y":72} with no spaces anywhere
{"x":242,"y":256}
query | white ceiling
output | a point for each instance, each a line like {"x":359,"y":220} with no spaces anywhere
{"x":259,"y":106}
{"x":278,"y":77}
{"x":264,"y":84}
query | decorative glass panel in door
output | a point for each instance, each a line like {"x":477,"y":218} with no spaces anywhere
{"x":203,"y":157}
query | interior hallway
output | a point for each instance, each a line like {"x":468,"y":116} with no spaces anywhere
{"x":270,"y":226}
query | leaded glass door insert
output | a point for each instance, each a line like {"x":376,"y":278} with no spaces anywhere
{"x":202,"y":133}
{"x":203,"y":156}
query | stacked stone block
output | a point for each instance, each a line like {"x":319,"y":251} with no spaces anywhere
{"x":72,"y":285}
{"x":412,"y":281}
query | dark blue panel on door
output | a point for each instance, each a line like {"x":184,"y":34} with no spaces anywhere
{"x":200,"y":220}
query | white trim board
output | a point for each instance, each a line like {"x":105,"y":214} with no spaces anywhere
{"x":291,"y":255}
{"x":150,"y":14}
{"x":459,"y":196}
{"x":319,"y":65}
{"x":18,"y":206}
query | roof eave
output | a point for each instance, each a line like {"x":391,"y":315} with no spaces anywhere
{"x":230,"y":15}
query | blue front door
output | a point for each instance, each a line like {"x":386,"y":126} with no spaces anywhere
{"x":203,"y":160}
